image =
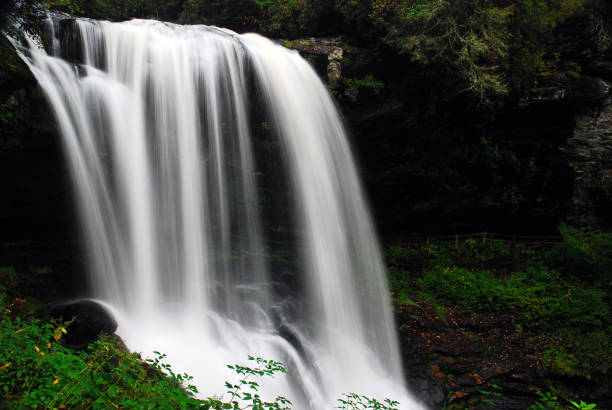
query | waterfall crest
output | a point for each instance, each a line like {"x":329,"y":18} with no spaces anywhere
{"x":187,"y":145}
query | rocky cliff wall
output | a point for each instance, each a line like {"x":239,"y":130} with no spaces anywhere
{"x":430,"y":162}
{"x":439,"y":163}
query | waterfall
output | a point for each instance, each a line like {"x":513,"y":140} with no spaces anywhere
{"x":220,"y":206}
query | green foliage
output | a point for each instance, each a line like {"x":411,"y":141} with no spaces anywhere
{"x":532,"y":26}
{"x":467,"y":38}
{"x":470,"y":253}
{"x":485,"y":48}
{"x":357,"y":19}
{"x":8,"y":276}
{"x":550,"y":401}
{"x":560,"y":293}
{"x":286,"y":18}
{"x":488,"y":48}
{"x":561,"y":361}
{"x":546,"y":401}
{"x":584,"y":255}
{"x":237,"y":15}
{"x":471,"y":290}
{"x":37,"y":370}
{"x":358,"y":402}
{"x":68,"y":6}
{"x":579,"y":352}
{"x":244,"y":392}
{"x":540,"y":297}
{"x":367,"y":82}
{"x":583,"y":406}
{"x":117,"y":10}
{"x":488,"y":396}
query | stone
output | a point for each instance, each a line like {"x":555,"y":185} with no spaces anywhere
{"x":589,"y":153}
{"x":602,"y":69}
{"x":334,"y":73}
{"x":324,"y":55}
{"x":335,"y":54}
{"x":90,"y":320}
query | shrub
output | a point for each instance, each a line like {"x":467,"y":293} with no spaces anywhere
{"x":37,"y":370}
{"x":472,"y":291}
{"x":583,"y":255}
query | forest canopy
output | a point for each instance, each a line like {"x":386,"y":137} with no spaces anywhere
{"x":489,"y":48}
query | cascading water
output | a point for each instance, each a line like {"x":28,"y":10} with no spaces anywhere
{"x":157,"y":122}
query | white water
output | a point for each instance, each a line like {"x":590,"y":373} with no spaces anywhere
{"x":156,"y":126}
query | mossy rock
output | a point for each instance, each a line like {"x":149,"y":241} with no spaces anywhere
{"x":10,"y":62}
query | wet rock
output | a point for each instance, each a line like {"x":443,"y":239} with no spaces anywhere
{"x":334,"y":73}
{"x":427,"y":391}
{"x":575,"y":90}
{"x":588,"y":88}
{"x":90,"y":320}
{"x":325,"y":55}
{"x":510,"y":403}
{"x":602,"y":69}
{"x":589,"y":153}
{"x":458,"y":359}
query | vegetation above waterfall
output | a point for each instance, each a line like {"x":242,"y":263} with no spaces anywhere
{"x":489,"y":48}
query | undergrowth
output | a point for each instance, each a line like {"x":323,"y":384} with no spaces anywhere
{"x":38,"y":371}
{"x":560,"y":291}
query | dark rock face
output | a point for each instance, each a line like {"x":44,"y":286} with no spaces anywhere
{"x":589,"y":152}
{"x":37,"y":215}
{"x":34,"y":195}
{"x":602,"y":69}
{"x":458,"y":171}
{"x":90,"y":320}
{"x":431,"y":163}
{"x":324,"y":54}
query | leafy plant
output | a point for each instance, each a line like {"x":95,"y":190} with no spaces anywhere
{"x":37,"y":370}
{"x":357,"y":402}
{"x":549,"y":401}
{"x":545,"y":401}
{"x":368,"y":82}
{"x":250,"y":398}
{"x":583,"y":406}
{"x":581,"y":254}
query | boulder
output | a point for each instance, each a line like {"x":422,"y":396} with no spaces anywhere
{"x":601,"y":69}
{"x":90,"y":320}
